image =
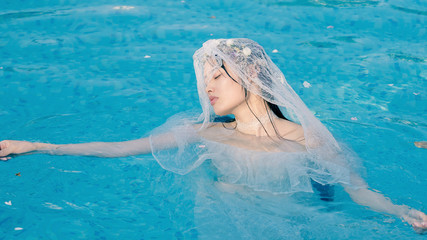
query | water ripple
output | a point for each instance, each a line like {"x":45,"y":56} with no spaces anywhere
{"x":408,"y":10}
{"x":326,"y":3}
{"x":346,"y":3}
{"x":320,"y":44}
{"x":16,"y":15}
{"x":348,"y":39}
{"x":408,"y":57}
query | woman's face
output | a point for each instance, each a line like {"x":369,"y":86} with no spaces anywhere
{"x":224,"y":94}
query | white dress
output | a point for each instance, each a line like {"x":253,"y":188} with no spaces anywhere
{"x":256,"y":162}
{"x":246,"y":193}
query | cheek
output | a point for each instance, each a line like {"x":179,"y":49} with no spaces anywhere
{"x":236,"y":91}
{"x":233,"y":96}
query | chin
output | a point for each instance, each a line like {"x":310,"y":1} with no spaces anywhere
{"x":221,"y":113}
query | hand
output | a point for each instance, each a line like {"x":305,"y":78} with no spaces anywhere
{"x":9,"y":147}
{"x":417,"y":219}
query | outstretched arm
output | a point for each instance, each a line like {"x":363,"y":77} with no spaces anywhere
{"x":9,"y":148}
{"x":379,"y":203}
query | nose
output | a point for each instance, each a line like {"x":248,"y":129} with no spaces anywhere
{"x":209,"y":87}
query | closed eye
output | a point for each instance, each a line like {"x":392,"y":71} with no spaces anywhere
{"x":218,"y":76}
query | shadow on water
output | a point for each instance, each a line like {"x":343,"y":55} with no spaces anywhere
{"x":408,"y":57}
{"x":16,"y":15}
{"x":408,"y":10}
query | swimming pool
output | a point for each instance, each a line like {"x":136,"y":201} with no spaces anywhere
{"x":111,"y":71}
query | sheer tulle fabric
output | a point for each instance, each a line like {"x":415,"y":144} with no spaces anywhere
{"x":186,"y":140}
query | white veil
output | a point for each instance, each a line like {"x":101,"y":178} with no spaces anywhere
{"x":323,"y":159}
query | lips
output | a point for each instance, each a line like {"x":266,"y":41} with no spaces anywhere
{"x":212,"y":99}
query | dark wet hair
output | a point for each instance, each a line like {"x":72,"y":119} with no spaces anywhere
{"x":268,"y":105}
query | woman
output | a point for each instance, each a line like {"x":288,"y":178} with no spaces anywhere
{"x":273,"y":145}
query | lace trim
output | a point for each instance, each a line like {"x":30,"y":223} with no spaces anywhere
{"x":252,"y":125}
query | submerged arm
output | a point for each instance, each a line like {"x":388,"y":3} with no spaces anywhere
{"x":378,"y":202}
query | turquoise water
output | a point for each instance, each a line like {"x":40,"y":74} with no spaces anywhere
{"x":111,"y":71}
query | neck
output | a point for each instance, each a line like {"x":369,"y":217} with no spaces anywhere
{"x":253,"y":122}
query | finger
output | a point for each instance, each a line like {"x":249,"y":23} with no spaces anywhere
{"x":416,"y":224}
{"x":420,"y":230}
{"x":4,"y":153}
{"x":3,"y":144}
{"x":4,"y":158}
{"x":420,"y":225}
{"x":3,"y":147}
{"x":420,"y":215}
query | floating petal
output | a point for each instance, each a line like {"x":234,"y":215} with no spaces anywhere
{"x":422,"y":144}
{"x":306,"y":84}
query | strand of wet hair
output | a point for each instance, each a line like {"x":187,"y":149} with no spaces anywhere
{"x":272,"y":122}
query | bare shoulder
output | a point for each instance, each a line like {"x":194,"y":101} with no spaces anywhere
{"x":290,"y":130}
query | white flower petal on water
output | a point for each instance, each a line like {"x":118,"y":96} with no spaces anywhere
{"x":52,"y":206}
{"x":247,"y":51}
{"x":8,"y":203}
{"x":306,"y":84}
{"x":123,"y":7}
{"x":275,"y":51}
{"x":416,"y":93}
{"x":354,"y":118}
{"x":391,"y":84}
{"x":18,"y":229}
{"x":147,"y":56}
{"x":229,"y":42}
